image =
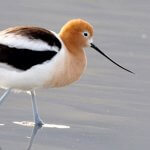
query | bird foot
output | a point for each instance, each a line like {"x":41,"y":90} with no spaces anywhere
{"x":39,"y":122}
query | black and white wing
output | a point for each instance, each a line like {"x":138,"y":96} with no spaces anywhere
{"x":24,"y":47}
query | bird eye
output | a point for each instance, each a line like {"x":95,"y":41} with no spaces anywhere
{"x":85,"y":34}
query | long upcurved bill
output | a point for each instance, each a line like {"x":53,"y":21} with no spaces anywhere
{"x":98,"y":50}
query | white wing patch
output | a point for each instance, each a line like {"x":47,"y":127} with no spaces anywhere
{"x":22,"y":42}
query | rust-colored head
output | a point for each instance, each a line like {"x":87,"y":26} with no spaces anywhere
{"x":76,"y":34}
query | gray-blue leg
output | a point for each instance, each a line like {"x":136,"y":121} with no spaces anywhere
{"x":37,"y":118}
{"x":2,"y":98}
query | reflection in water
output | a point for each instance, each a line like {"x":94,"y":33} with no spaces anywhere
{"x":36,"y":129}
{"x":34,"y":132}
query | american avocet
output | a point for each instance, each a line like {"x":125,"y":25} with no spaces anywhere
{"x":33,"y":57}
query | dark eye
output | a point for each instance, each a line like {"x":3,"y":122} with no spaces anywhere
{"x":86,"y":34}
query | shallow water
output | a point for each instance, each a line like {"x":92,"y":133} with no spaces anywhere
{"x":108,"y":109}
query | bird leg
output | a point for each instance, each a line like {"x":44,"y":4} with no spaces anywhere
{"x":2,"y":98}
{"x":37,"y":118}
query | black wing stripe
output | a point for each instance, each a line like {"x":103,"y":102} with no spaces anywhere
{"x":24,"y":59}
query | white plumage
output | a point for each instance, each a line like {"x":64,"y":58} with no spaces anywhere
{"x":22,"y":42}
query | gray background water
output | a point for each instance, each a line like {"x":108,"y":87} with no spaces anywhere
{"x":108,"y":109}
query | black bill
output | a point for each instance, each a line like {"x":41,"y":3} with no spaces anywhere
{"x":97,"y":49}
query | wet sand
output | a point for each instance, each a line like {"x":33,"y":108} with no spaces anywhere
{"x":108,"y":109}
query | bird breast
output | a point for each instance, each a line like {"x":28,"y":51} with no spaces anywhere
{"x":68,"y":68}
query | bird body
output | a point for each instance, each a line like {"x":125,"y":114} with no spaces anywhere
{"x":37,"y":58}
{"x":61,"y":70}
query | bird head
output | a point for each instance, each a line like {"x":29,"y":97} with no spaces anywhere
{"x":77,"y":34}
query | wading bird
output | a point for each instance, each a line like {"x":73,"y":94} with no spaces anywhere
{"x":33,"y":57}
